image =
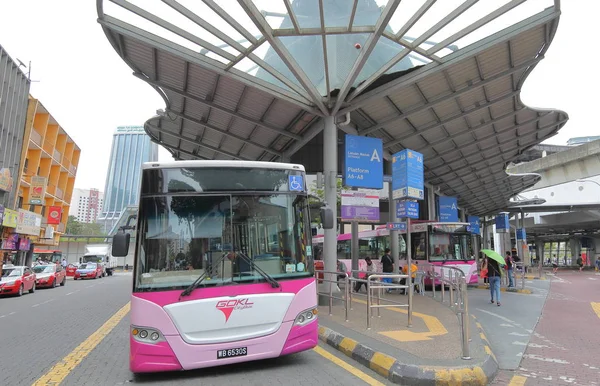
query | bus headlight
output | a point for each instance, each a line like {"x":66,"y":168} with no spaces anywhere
{"x":306,"y":317}
{"x":146,"y":335}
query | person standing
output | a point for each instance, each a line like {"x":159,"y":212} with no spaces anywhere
{"x":509,"y":269}
{"x":494,"y":276}
{"x":580,"y":263}
{"x":387,"y":265}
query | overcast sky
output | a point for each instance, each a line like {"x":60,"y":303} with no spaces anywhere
{"x":88,"y":88}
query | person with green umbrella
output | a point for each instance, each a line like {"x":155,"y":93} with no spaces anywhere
{"x":492,"y":264}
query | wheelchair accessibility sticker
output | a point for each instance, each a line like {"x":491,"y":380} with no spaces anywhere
{"x":296,"y":183}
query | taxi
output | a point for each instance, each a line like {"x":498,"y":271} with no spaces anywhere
{"x":16,"y":280}
{"x":50,"y":275}
{"x":89,"y":271}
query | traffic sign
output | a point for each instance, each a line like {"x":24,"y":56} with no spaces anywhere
{"x":396,"y":226}
{"x":363,"y":162}
{"x":407,"y":175}
{"x":408,"y":209}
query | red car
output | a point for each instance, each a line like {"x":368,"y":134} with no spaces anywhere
{"x":16,"y":280}
{"x":71,"y":268}
{"x":50,"y":275}
{"x":89,"y":271}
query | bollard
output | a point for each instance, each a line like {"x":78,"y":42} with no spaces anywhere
{"x":368,"y":304}
{"x":451,"y":287}
{"x":347,"y":294}
{"x":465,"y":320}
{"x":410,"y":296}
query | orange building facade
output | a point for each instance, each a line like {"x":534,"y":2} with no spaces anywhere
{"x":49,"y":160}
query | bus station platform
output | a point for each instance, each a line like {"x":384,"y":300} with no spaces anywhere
{"x":427,"y":353}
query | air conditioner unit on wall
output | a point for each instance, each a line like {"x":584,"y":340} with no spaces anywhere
{"x":49,"y":233}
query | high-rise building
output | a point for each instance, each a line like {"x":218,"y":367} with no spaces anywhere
{"x":131,"y":147}
{"x":14,"y":89}
{"x":86,"y":204}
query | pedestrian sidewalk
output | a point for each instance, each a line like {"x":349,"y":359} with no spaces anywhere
{"x":516,"y":289}
{"x":428,"y":353}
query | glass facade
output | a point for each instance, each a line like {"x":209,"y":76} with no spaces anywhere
{"x":130,"y":148}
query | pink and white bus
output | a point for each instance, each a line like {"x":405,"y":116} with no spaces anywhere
{"x":439,"y":243}
{"x":223,"y":269}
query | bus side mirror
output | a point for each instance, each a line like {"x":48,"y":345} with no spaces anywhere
{"x":120,"y":244}
{"x":327,"y":218}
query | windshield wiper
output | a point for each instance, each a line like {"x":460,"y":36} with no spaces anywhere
{"x":200,"y":278}
{"x":274,"y":283}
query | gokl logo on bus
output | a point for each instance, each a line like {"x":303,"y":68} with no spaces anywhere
{"x":227,"y":306}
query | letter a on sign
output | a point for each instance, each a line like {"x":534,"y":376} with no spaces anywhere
{"x":375,"y":156}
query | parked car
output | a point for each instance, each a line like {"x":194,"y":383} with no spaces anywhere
{"x":71,"y":268}
{"x":89,"y":271}
{"x":50,"y":275}
{"x":16,"y":280}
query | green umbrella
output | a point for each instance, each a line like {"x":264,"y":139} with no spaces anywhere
{"x":494,"y":256}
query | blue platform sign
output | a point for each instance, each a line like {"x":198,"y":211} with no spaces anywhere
{"x":448,"y":209}
{"x":396,"y":226}
{"x":521,"y":234}
{"x":363,"y":162}
{"x":502,"y":225}
{"x":407,"y":175}
{"x":475,"y":225}
{"x":408,"y":209}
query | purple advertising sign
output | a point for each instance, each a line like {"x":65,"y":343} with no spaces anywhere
{"x":1,"y":214}
{"x":360,"y":206}
{"x":24,"y":244}
{"x":10,"y":243}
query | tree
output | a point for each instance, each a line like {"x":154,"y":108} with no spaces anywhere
{"x":74,"y":227}
{"x":92,"y":229}
{"x":320,"y":193}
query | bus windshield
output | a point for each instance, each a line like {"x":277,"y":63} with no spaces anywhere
{"x":449,"y":246}
{"x":183,"y":235}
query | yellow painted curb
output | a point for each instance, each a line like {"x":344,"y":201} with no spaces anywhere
{"x":468,"y":376}
{"x":382,"y":363}
{"x":347,"y":346}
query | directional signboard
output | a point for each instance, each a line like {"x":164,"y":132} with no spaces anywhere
{"x":360,"y":205}
{"x":475,"y":225}
{"x":396,"y":226}
{"x":407,"y":175}
{"x":363,"y":162}
{"x":502,"y":225}
{"x":408,"y":209}
{"x":448,"y":209}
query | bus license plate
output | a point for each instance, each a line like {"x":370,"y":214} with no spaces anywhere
{"x":233,"y":352}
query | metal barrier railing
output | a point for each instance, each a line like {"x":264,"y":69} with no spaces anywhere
{"x":452,"y":277}
{"x":456,"y":281}
{"x":378,"y":286}
{"x":523,"y":268}
{"x":330,"y":284}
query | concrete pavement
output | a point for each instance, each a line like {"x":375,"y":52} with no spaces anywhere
{"x":565,"y":345}
{"x":510,"y":326}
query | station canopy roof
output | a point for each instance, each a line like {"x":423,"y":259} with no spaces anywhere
{"x":250,"y":80}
